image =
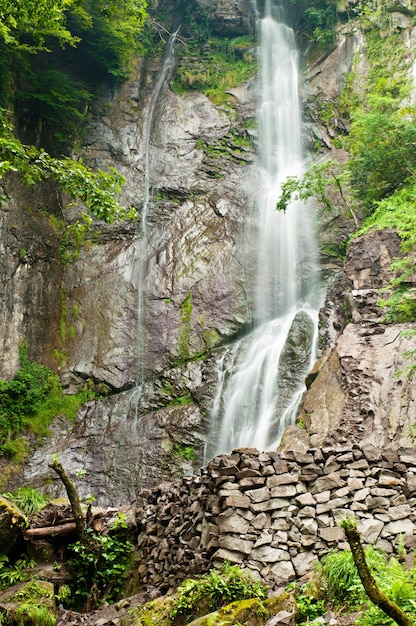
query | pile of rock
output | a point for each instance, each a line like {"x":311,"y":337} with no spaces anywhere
{"x":275,"y":514}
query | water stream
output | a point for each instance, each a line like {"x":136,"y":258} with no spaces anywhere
{"x":261,"y":379}
{"x":164,"y":75}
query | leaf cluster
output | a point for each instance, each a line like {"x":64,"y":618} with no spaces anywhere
{"x":100,"y":563}
{"x":10,"y":574}
{"x":97,"y":189}
{"x":340,"y":585}
{"x":26,"y":24}
{"x":215,"y":589}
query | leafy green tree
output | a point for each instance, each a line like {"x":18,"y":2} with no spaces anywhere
{"x":110,"y":32}
{"x":382,"y":146}
{"x":26,"y":24}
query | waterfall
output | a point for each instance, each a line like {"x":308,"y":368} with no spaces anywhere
{"x":164,"y":75}
{"x":162,"y":79}
{"x":261,"y":381}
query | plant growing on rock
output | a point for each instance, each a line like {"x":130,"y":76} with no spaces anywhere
{"x":401,"y":593}
{"x":30,"y":401}
{"x":347,"y":581}
{"x":215,"y":589}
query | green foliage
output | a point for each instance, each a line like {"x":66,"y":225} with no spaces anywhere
{"x":51,"y":97}
{"x":399,"y":584}
{"x":31,"y":400}
{"x":340,"y":585}
{"x":383,"y":158}
{"x":398,"y":212}
{"x":215,"y":65}
{"x":97,"y":189}
{"x":22,"y":395}
{"x":185,"y":452}
{"x":26,"y":25}
{"x":28,"y":499}
{"x":319,"y":182}
{"x":316,"y":20}
{"x":382,"y":133}
{"x":10,"y":574}
{"x":39,"y":41}
{"x":217,"y":588}
{"x":110,"y":33}
{"x":309,"y":606}
{"x":100,"y":564}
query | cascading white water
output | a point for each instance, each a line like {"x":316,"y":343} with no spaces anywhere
{"x":256,"y":397}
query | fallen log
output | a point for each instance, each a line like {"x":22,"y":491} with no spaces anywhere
{"x":50,"y":531}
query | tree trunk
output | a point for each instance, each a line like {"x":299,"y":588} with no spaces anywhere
{"x":72,"y":496}
{"x":50,"y":531}
{"x":374,"y":593}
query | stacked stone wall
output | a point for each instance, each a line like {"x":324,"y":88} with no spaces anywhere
{"x":275,"y":514}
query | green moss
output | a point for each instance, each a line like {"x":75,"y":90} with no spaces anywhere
{"x":211,"y":337}
{"x":185,"y":452}
{"x":35,"y":605}
{"x":17,"y":517}
{"x":155,"y":612}
{"x":185,"y":313}
{"x":63,"y":316}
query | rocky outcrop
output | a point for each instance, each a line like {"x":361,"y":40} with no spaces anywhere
{"x":118,"y":450}
{"x":347,"y":401}
{"x":275,"y":514}
{"x":169,"y":288}
{"x":12,"y":524}
{"x":229,"y":17}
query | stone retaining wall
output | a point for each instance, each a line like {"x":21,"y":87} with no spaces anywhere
{"x":275,"y":513}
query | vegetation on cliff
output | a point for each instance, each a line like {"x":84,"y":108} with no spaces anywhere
{"x":30,"y":401}
{"x":53,"y":58}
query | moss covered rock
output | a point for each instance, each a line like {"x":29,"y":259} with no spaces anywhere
{"x":12,"y":524}
{"x":251,"y":612}
{"x":31,"y":603}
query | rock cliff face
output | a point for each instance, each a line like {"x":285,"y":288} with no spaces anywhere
{"x":174,"y":288}
{"x":362,"y":392}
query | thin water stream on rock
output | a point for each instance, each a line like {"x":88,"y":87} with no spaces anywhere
{"x":261,"y":379}
{"x":162,"y":79}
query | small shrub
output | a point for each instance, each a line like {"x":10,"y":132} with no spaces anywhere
{"x":31,"y":400}
{"x":217,"y":588}
{"x":28,"y":499}
{"x":341,"y":583}
{"x":100,"y":564}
